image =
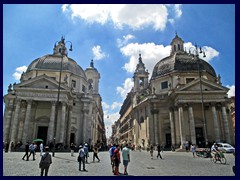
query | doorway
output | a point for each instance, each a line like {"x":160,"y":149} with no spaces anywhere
{"x":199,"y":137}
{"x":42,"y":133}
{"x":168,"y":141}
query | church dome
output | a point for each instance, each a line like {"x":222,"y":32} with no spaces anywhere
{"x":180,"y":61}
{"x":52,"y":62}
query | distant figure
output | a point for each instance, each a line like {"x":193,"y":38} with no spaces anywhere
{"x":45,"y":162}
{"x":26,"y":151}
{"x":82,"y":158}
{"x":86,"y":152}
{"x":193,"y":149}
{"x":126,"y":158}
{"x":12,"y":146}
{"x":159,"y":150}
{"x":187,"y":146}
{"x":41,"y":149}
{"x":72,"y":147}
{"x":95,"y":154}
{"x":32,"y":151}
{"x":151,"y":151}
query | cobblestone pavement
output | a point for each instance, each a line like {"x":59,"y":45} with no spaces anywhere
{"x":172,"y":164}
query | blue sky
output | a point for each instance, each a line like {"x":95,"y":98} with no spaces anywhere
{"x":113,"y":36}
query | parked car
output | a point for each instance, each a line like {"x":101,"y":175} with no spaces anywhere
{"x":225,"y":147}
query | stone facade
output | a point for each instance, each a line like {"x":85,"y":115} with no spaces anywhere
{"x":183,"y":101}
{"x":32,"y":111}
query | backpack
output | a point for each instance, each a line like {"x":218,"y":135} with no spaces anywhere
{"x":81,"y":153}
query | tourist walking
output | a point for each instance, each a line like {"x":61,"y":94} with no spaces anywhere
{"x":26,"y":151}
{"x":45,"y":162}
{"x":193,"y":149}
{"x":111,"y":152}
{"x":86,"y":152}
{"x":41,"y":149}
{"x":72,"y":147}
{"x":81,"y":158}
{"x":151,"y":151}
{"x":117,"y":161}
{"x":95,"y":154}
{"x":159,"y":150}
{"x":32,"y":151}
{"x":126,"y":158}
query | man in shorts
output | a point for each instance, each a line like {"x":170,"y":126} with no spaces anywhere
{"x":111,"y":152}
{"x":126,"y":158}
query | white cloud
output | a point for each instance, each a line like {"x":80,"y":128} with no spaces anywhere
{"x":97,"y":53}
{"x":231,"y":91}
{"x":135,"y":16}
{"x":150,"y":52}
{"x":116,"y":105}
{"x":124,"y":40}
{"x":19,"y":70}
{"x":178,"y":10}
{"x":127,"y":86}
{"x":105,"y":106}
{"x":109,"y":119}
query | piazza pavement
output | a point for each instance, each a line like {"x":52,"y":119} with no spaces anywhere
{"x":172,"y":164}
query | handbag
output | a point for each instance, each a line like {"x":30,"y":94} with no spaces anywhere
{"x":78,"y":158}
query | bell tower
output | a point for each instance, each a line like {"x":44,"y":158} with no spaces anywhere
{"x":140,"y":76}
{"x":176,"y":45}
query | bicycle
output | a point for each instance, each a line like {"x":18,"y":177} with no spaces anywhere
{"x":219,"y":157}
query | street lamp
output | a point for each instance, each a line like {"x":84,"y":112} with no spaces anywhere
{"x":63,"y":51}
{"x":198,"y":50}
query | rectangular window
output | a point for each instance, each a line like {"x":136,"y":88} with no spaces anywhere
{"x":188,"y":80}
{"x":164,"y":85}
{"x":73,"y":83}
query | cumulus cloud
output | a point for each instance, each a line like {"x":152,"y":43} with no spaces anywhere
{"x":109,"y":119}
{"x":124,"y":40}
{"x":151,"y":53}
{"x":134,"y":16}
{"x":126,"y":88}
{"x":231,"y":91}
{"x":116,"y":105}
{"x":97,"y":53}
{"x":19,"y":70}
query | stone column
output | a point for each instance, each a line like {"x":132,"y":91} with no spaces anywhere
{"x":172,"y":126}
{"x":177,"y":126}
{"x":51,"y":122}
{"x":181,"y":127}
{"x":26,"y":122}
{"x":84,"y":123}
{"x":15,"y":123}
{"x":155,"y":126}
{"x":225,"y":125}
{"x":8,"y":121}
{"x":62,"y":125}
{"x":215,"y":123}
{"x":192,"y":124}
{"x":69,"y":124}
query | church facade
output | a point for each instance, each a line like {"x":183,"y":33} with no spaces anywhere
{"x":183,"y":101}
{"x":55,"y":100}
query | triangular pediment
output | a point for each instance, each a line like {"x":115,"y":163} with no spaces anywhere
{"x":206,"y":86}
{"x":41,"y":82}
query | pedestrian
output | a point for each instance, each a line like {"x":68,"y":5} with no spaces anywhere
{"x":72,"y":147}
{"x":117,"y":161}
{"x":126,"y":158}
{"x":111,"y":152}
{"x":32,"y":151}
{"x":187,"y":146}
{"x":162,"y":147}
{"x":151,"y":151}
{"x":45,"y":162}
{"x":6,"y":147}
{"x":81,"y":158}
{"x":193,"y":149}
{"x":12,"y":146}
{"x":26,"y":151}
{"x":159,"y":150}
{"x":41,"y":149}
{"x":86,"y":152}
{"x":95,"y":154}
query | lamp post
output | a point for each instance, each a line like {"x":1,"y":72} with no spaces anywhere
{"x":198,"y":50}
{"x":63,"y":52}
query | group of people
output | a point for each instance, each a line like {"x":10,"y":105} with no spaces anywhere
{"x":32,"y":148}
{"x":115,"y":158}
